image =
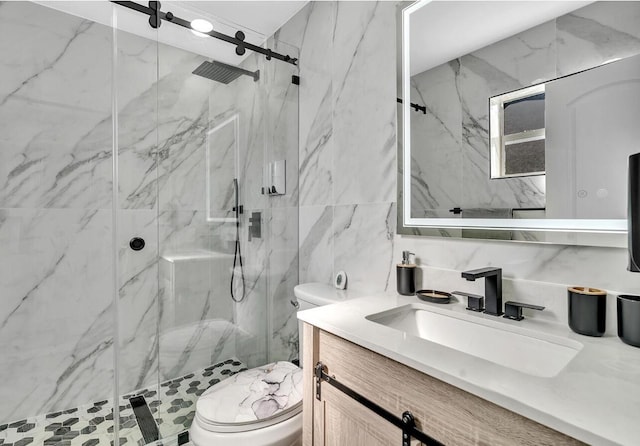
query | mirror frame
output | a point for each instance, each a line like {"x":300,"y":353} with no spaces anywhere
{"x":592,"y":232}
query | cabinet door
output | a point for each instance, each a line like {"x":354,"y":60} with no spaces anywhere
{"x":346,"y":422}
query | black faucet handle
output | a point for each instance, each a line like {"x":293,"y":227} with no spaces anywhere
{"x":475,"y":302}
{"x":477,"y":273}
{"x":513,"y":310}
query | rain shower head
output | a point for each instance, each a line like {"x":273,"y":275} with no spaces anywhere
{"x":221,"y":72}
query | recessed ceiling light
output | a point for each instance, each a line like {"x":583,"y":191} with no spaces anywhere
{"x":201,"y":25}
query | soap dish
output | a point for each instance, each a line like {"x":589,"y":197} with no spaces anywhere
{"x":434,"y":296}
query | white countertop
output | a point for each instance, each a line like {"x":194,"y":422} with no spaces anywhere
{"x":595,"y":398}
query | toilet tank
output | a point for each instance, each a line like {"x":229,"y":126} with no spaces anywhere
{"x":312,"y":295}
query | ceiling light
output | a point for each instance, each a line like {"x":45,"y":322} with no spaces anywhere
{"x":202,"y":25}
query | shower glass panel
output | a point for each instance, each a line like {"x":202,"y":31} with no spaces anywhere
{"x":210,"y":328}
{"x":131,"y":191}
{"x":136,"y":176}
{"x":57,"y":326}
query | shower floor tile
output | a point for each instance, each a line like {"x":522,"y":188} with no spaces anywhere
{"x":172,"y":403}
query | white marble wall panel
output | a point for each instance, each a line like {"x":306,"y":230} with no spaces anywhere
{"x":138,"y":305}
{"x":363,"y":244}
{"x":597,"y":33}
{"x":251,"y":315}
{"x":137,"y":91}
{"x":316,"y":244}
{"x":283,"y":277}
{"x":221,"y":146}
{"x":347,"y":140}
{"x":363,"y":107}
{"x":45,"y":84}
{"x":281,"y":130}
{"x":56,"y":321}
{"x":250,"y":103}
{"x":183,"y":104}
{"x":316,"y":110}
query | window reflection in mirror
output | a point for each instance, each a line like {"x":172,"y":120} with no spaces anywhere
{"x":516,"y":126}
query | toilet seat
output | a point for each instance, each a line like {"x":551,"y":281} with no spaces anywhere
{"x":252,"y":399}
{"x":212,"y":426}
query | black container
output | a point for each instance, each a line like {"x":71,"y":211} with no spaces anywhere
{"x":633,"y":213}
{"x":587,"y":310}
{"x":629,"y":319}
{"x":406,"y":279}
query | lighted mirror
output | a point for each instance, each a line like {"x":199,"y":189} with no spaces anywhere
{"x":521,"y":119}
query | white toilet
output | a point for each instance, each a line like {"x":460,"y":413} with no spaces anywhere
{"x":261,"y":406}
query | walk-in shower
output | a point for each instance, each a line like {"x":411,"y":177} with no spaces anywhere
{"x":117,"y":222}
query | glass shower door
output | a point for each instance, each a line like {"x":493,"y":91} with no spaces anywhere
{"x":212,"y":320}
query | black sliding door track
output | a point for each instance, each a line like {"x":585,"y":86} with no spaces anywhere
{"x":407,"y":423}
{"x":156,"y":17}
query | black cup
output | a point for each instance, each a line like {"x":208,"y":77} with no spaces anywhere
{"x":629,"y":319}
{"x":587,"y":310}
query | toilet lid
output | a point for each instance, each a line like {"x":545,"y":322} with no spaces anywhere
{"x":252,"y":399}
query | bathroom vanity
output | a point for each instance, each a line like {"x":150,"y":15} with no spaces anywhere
{"x":461,"y":398}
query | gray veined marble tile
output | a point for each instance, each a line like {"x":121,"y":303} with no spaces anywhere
{"x":281,"y":106}
{"x":363,"y":244}
{"x":597,"y":33}
{"x":56,"y":327}
{"x":138,"y":306}
{"x":283,"y":277}
{"x":316,"y":105}
{"x":316,"y":244}
{"x":54,"y":101}
{"x":364,"y":116}
{"x":163,"y":127}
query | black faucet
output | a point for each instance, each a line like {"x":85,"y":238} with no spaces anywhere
{"x":492,"y":287}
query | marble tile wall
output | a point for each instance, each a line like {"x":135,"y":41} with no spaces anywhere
{"x":451,"y":140}
{"x":359,"y":236}
{"x":56,"y":320}
{"x":347,"y":140}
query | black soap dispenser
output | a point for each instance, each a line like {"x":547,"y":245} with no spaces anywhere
{"x":406,"y":275}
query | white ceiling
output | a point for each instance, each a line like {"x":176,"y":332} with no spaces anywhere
{"x":264,"y":17}
{"x":257,"y":19}
{"x":444,"y":30}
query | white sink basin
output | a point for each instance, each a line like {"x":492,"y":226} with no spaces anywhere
{"x":523,"y":350}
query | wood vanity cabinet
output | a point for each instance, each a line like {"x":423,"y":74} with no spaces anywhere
{"x":444,"y":412}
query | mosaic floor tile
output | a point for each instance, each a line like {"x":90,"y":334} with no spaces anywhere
{"x":172,"y":403}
